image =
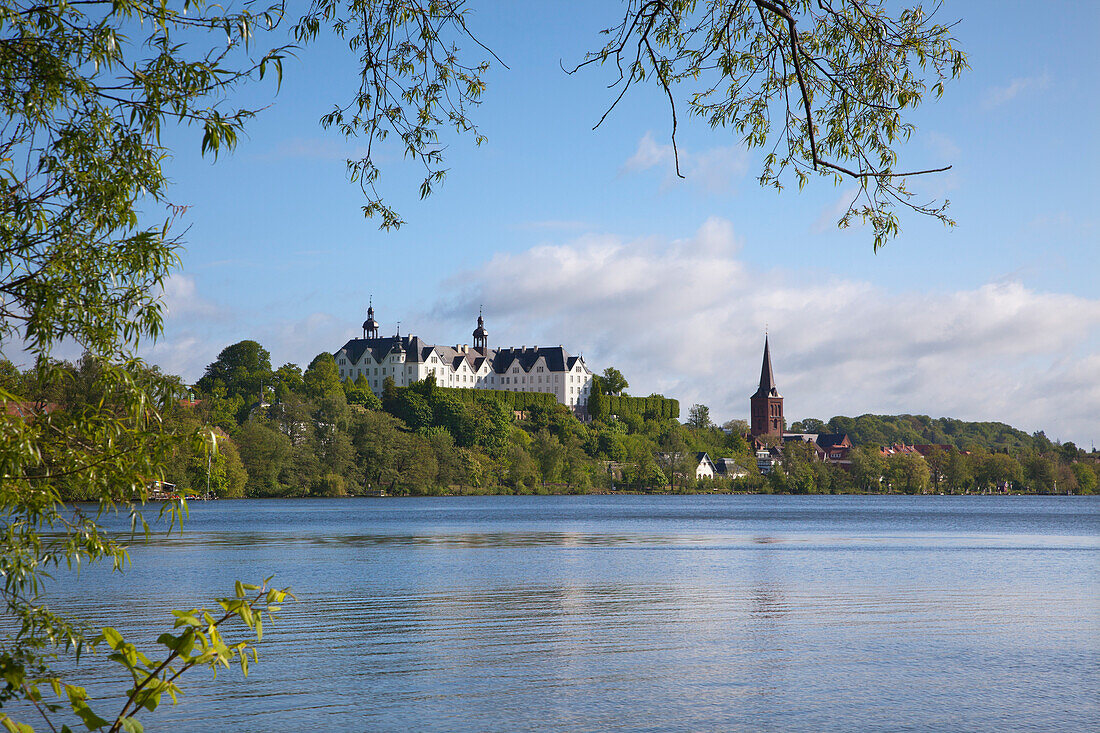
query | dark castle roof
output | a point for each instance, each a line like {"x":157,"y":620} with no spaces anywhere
{"x":557,"y":359}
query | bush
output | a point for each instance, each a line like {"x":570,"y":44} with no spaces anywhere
{"x":330,"y":484}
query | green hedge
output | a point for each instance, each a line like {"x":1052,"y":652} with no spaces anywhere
{"x":650,"y":408}
{"x":510,"y":400}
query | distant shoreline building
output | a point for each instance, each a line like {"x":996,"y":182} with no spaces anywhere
{"x":408,"y":359}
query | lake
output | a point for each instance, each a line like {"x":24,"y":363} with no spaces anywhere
{"x":587,"y":613}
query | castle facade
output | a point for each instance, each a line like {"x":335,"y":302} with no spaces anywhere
{"x":407,"y":359}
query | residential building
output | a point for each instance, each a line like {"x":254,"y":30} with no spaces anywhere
{"x":828,"y":447}
{"x":766,"y":460}
{"x":727,"y":468}
{"x":704,"y":467}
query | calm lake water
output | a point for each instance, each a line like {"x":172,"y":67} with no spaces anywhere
{"x":643,"y":613}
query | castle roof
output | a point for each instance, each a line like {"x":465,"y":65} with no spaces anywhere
{"x":556,"y":358}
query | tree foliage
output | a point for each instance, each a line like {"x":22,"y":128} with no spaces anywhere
{"x":922,"y":429}
{"x":243,"y":369}
{"x":613,"y":381}
{"x":85,"y":91}
{"x":825,"y":88}
{"x":415,"y":81}
{"x":699,"y":417}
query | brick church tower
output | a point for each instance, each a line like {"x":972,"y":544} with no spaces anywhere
{"x":767,"y":403}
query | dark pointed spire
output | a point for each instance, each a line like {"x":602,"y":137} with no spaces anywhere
{"x":397,"y":346}
{"x":767,"y":380}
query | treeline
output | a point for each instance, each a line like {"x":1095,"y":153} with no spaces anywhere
{"x":922,"y":429}
{"x":1064,"y":469}
{"x":304,"y":432}
{"x":295,"y":432}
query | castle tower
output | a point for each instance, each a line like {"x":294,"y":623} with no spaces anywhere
{"x":481,"y":336}
{"x":370,"y":326}
{"x":767,"y":403}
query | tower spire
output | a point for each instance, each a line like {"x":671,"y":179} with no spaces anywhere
{"x":767,"y":379}
{"x":370,"y":326}
{"x":481,"y":336}
{"x":767,"y":403}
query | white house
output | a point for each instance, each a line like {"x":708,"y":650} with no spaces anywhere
{"x":704,"y":467}
{"x":409,"y":359}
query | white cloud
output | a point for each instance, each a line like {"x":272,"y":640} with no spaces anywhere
{"x":180,"y":298}
{"x":686,"y":318}
{"x":995,"y":96}
{"x":190,"y":345}
{"x":714,"y":170}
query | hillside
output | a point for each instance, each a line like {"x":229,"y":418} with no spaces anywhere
{"x":910,"y":429}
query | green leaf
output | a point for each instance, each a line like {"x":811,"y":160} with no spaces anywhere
{"x":131,"y":725}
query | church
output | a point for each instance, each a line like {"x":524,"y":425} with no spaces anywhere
{"x":407,"y":359}
{"x":767,"y":421}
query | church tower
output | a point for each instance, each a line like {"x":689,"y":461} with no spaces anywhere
{"x":481,"y":336}
{"x":767,"y":403}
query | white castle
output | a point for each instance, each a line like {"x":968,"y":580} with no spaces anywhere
{"x":409,"y":359}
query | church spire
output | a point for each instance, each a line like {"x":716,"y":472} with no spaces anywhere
{"x":767,"y":403}
{"x":767,"y":379}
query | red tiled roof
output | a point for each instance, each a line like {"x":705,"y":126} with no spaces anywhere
{"x":27,"y":409}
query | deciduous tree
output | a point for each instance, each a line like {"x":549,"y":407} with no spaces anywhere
{"x":699,"y":417}
{"x":614,"y":382}
{"x":86,"y":90}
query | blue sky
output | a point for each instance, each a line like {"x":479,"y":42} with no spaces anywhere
{"x":584,"y":238}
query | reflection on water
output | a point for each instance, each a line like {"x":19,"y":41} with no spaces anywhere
{"x":590,"y":613}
